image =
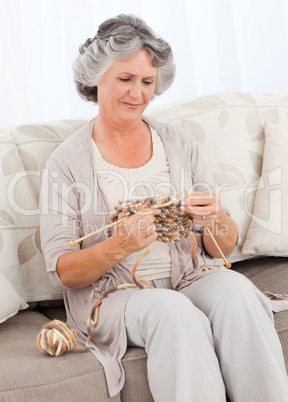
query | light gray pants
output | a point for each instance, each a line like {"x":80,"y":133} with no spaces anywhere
{"x":216,"y":334}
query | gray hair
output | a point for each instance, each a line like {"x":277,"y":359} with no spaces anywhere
{"x":120,"y":38}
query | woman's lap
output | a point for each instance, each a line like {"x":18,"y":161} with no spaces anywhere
{"x":220,"y":290}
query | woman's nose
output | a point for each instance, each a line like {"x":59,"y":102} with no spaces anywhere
{"x":135,"y":89}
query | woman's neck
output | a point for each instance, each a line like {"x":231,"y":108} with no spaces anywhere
{"x":110,"y":130}
{"x":128,"y":147}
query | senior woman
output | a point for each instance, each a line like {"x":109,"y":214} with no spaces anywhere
{"x":206,"y":331}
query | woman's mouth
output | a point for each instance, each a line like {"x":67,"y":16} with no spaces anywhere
{"x":132,"y":105}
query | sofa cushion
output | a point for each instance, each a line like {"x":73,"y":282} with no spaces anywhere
{"x":267,"y":273}
{"x":23,"y":154}
{"x":27,"y":374}
{"x":268,"y":230}
{"x":281,"y":323}
{"x":10,"y":300}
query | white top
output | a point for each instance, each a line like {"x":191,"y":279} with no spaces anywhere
{"x":149,"y":180}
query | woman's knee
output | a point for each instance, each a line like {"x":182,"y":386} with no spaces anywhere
{"x":170,"y":305}
{"x":168,"y":309}
{"x":226,"y":291}
{"x":239,"y":293}
{"x":170,"y":316}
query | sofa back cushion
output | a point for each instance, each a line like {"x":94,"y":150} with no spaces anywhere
{"x":23,"y":154}
{"x":230,"y":128}
{"x":268,"y":229}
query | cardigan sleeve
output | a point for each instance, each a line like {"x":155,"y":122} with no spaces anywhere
{"x":60,"y":214}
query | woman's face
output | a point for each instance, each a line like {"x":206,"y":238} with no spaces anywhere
{"x":127,"y":88}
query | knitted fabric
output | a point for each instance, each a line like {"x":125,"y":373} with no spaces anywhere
{"x":171,"y":223}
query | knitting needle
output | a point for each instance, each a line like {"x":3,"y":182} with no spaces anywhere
{"x":73,"y":242}
{"x":180,"y":192}
{"x":227,"y":264}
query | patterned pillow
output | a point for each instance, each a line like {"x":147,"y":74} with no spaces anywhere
{"x":23,"y":154}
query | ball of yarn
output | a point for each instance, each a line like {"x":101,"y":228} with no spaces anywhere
{"x":56,"y":338}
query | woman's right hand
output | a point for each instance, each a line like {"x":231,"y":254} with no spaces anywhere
{"x":137,"y":231}
{"x":83,"y":267}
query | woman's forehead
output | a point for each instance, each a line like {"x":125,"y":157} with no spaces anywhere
{"x":139,"y":63}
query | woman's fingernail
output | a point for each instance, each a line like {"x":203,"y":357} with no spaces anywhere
{"x":182,"y":209}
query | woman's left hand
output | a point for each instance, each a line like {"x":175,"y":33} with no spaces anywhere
{"x":206,"y":210}
{"x":205,"y":207}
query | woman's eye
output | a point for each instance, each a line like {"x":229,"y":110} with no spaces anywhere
{"x":147,"y":82}
{"x":124,"y":79}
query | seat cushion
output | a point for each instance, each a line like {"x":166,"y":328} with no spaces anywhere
{"x":267,"y":273}
{"x":28,"y":374}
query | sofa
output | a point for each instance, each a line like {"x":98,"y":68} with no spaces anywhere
{"x":245,"y":138}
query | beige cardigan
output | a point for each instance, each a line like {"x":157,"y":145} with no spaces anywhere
{"x":72,"y":203}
